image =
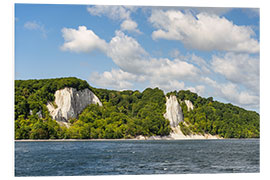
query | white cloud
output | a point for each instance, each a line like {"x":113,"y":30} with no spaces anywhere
{"x":33,"y":25}
{"x":203,"y":31}
{"x":130,"y":25}
{"x":121,"y":13}
{"x":231,"y":93}
{"x":169,"y":85}
{"x":82,"y":40}
{"x":239,"y":68}
{"x":116,"y":79}
{"x":166,"y":84}
{"x":165,"y":68}
{"x":113,"y":12}
{"x":198,"y":89}
{"x":127,"y":53}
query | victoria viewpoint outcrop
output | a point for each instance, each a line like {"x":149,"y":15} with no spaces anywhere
{"x":69,"y":103}
{"x":173,"y":111}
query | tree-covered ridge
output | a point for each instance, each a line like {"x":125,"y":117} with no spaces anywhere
{"x":124,"y":114}
{"x":213,"y":117}
{"x":34,"y":94}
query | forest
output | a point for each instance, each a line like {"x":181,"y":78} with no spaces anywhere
{"x":125,"y":114}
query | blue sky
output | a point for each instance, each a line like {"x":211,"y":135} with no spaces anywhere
{"x":210,"y":51}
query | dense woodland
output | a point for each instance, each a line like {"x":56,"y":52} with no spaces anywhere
{"x":124,"y":114}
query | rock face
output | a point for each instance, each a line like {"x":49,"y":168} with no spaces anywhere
{"x":189,"y":105}
{"x":173,"y":111}
{"x":70,"y":103}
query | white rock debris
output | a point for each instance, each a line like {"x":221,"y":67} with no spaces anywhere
{"x":70,"y":103}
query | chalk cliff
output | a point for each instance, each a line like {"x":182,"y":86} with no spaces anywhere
{"x":174,"y":114}
{"x":173,"y":111}
{"x":70,"y":103}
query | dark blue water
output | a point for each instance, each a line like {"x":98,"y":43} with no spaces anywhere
{"x":136,"y":157}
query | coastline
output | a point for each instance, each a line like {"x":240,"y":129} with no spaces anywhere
{"x":74,"y":140}
{"x":176,"y":134}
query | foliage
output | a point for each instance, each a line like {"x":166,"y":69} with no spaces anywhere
{"x":185,"y":130}
{"x":124,"y":114}
{"x":217,"y":118}
{"x":34,"y":94}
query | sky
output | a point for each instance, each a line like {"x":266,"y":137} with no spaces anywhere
{"x":210,"y":51}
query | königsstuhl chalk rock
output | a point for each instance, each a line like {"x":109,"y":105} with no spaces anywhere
{"x":70,"y":103}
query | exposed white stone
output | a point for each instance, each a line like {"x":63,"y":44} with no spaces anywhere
{"x":177,"y":134}
{"x":189,"y":105}
{"x":173,"y":111}
{"x":70,"y":103}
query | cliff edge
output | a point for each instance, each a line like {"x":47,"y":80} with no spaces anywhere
{"x":173,"y":111}
{"x":70,"y":103}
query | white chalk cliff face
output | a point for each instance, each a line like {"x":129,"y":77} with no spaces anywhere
{"x":175,"y":115}
{"x":70,"y":103}
{"x":173,"y":111}
{"x":189,"y":105}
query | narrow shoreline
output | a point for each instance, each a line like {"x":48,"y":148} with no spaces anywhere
{"x":134,"y":139}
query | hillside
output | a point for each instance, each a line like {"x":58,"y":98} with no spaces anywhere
{"x":124,"y":114}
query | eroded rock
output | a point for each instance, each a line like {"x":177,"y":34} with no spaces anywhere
{"x":173,"y":111}
{"x":69,"y":103}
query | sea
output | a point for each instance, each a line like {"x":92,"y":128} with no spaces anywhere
{"x":136,"y":157}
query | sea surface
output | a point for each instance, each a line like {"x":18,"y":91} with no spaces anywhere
{"x":81,"y":158}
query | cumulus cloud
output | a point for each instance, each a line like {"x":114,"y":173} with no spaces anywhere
{"x":33,"y":25}
{"x":231,"y":93}
{"x":239,"y":69}
{"x":130,"y":25}
{"x":116,"y":79}
{"x":121,"y":13}
{"x":197,"y":89}
{"x":203,"y":31}
{"x":127,"y":53}
{"x":81,"y":40}
{"x":171,"y":69}
{"x":167,"y":85}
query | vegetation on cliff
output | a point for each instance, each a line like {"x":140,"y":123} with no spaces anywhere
{"x":124,"y":114}
{"x":216,"y":118}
